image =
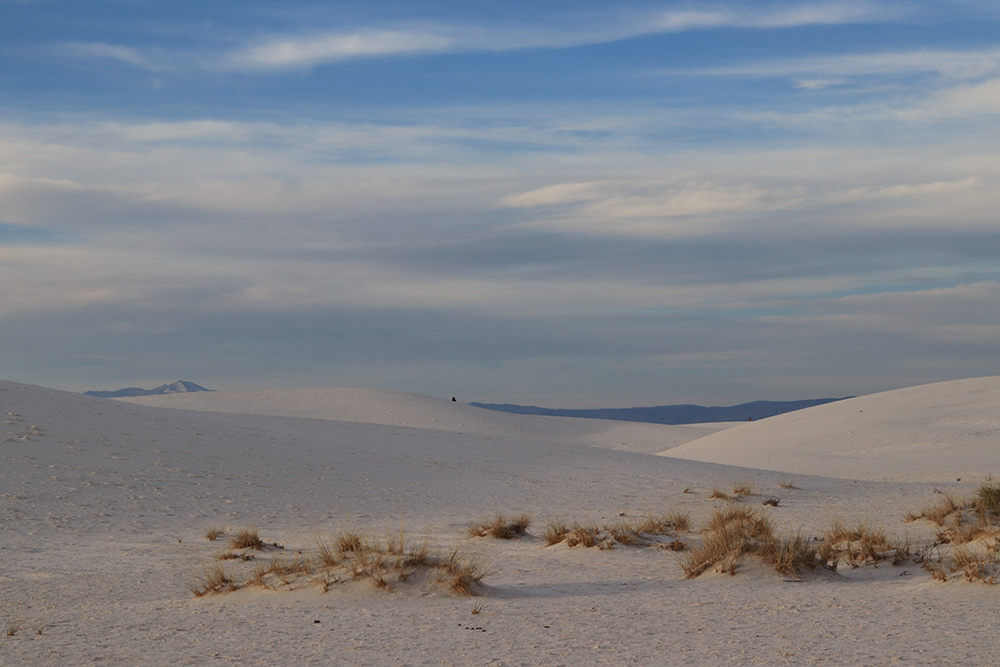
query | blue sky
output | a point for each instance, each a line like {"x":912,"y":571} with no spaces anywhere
{"x":566,"y":204}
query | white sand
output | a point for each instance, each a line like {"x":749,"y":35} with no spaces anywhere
{"x":933,"y":432}
{"x":105,"y":504}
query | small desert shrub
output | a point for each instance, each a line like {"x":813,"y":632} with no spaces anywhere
{"x":719,"y":494}
{"x":246,"y":538}
{"x":501,"y":527}
{"x":743,"y":490}
{"x":788,"y":485}
{"x":232,"y":555}
{"x":772,"y":501}
{"x":214,"y":533}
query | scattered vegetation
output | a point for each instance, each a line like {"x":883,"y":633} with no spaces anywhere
{"x":788,"y":485}
{"x":862,"y":544}
{"x":501,"y":527}
{"x":772,"y":501}
{"x":743,"y":490}
{"x":349,"y":556}
{"x":738,"y":531}
{"x":645,"y":531}
{"x":719,"y":494}
{"x":214,"y":534}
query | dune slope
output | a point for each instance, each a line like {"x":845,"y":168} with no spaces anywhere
{"x":933,"y":432}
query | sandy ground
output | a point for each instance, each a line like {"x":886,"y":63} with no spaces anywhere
{"x":105,"y":506}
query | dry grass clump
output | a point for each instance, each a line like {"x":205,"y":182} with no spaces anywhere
{"x":246,"y":538}
{"x":640,"y":532}
{"x":772,"y":501}
{"x":788,"y":485}
{"x":743,"y":490}
{"x":862,"y":544}
{"x":501,"y":527}
{"x":982,"y":564}
{"x":214,"y":533}
{"x":214,"y":579}
{"x":719,"y":494}
{"x":988,"y":498}
{"x":788,"y":555}
{"x":728,"y":535}
{"x":964,"y":520}
{"x":349,"y":556}
{"x":737,"y":532}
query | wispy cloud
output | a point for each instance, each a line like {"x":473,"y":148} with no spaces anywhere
{"x":313,"y":46}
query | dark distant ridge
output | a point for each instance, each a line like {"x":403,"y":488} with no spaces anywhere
{"x":671,"y":414}
{"x":179,"y":387}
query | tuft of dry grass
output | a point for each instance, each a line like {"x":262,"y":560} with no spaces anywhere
{"x":729,"y":534}
{"x":743,"y":489}
{"x":963,"y":520}
{"x":214,"y":579}
{"x":246,"y":538}
{"x":501,"y":527}
{"x":463,"y":574}
{"x":788,"y":485}
{"x":788,"y":555}
{"x":15,"y":626}
{"x":351,"y":541}
{"x":719,"y":494}
{"x":214,"y":533}
{"x":772,"y":501}
{"x":232,"y":555}
{"x":555,"y":531}
{"x":988,"y":497}
{"x":862,"y":544}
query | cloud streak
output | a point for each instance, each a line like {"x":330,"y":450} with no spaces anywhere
{"x":313,"y":47}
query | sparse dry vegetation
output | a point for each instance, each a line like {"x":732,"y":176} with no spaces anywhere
{"x":645,"y":531}
{"x":501,"y":527}
{"x":736,"y":532}
{"x":743,"y":490}
{"x":246,"y":538}
{"x":214,"y":534}
{"x":350,"y":556}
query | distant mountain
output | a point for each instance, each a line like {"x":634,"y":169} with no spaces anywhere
{"x":670,"y":414}
{"x":179,"y":387}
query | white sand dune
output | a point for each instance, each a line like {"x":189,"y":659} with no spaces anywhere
{"x":104,"y":508}
{"x":396,"y":408}
{"x":933,"y":432}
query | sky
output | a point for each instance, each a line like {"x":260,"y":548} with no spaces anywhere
{"x":567,"y":204}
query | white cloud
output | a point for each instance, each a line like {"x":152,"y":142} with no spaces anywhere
{"x":316,"y":46}
{"x":309,"y":50}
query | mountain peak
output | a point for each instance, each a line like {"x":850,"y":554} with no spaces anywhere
{"x":179,"y":387}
